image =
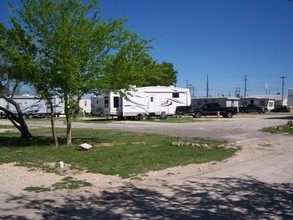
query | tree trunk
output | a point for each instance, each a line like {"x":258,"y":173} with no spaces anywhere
{"x":69,"y":130}
{"x":18,"y":122}
{"x":68,"y":120}
{"x":16,"y":118}
{"x":52,"y":117}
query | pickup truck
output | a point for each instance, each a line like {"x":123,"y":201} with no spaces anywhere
{"x":207,"y":109}
{"x":214,"y":109}
{"x":252,"y":108}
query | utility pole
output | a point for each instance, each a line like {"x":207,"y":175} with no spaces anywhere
{"x":283,"y":83}
{"x":266,"y":88}
{"x":207,"y":85}
{"x":245,"y":84}
{"x":190,"y":87}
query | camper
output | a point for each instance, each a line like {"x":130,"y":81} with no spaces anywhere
{"x":290,"y":98}
{"x":266,"y":102}
{"x":97,"y":105}
{"x":2,"y":104}
{"x":34,"y":107}
{"x":143,"y":102}
{"x":85,"y":105}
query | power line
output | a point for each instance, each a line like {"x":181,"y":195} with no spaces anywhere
{"x":208,"y":86}
{"x":245,"y":84}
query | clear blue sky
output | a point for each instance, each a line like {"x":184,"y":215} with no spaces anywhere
{"x":224,"y":39}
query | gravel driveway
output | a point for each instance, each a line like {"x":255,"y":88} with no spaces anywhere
{"x":257,"y":183}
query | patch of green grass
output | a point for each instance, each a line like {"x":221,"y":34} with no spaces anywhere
{"x":37,"y":189}
{"x":170,"y":119}
{"x":66,"y":183}
{"x":70,"y":183}
{"x":176,"y":119}
{"x":282,"y":129}
{"x":14,"y":198}
{"x":7,"y":127}
{"x":114,"y":152}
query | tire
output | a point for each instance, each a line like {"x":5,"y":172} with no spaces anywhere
{"x":137,"y":117}
{"x":197,"y":115}
{"x":229,"y":114}
{"x":143,"y":117}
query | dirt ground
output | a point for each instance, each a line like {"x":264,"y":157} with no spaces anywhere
{"x":257,"y":183}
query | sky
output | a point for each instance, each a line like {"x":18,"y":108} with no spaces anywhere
{"x":227,"y":41}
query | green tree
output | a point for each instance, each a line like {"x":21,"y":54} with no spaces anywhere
{"x":16,"y":54}
{"x":78,"y":52}
{"x":164,"y":75}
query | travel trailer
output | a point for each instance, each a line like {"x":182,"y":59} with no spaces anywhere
{"x":290,"y":98}
{"x":97,"y":105}
{"x":143,"y":102}
{"x":34,"y":107}
{"x":267,"y":103}
{"x":85,"y":105}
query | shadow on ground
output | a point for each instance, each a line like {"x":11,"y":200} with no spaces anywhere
{"x":284,"y":117}
{"x":215,"y":198}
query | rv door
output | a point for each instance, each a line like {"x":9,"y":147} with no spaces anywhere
{"x":151,"y":105}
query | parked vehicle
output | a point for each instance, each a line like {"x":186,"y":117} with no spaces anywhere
{"x":281,"y":109}
{"x":97,"y":105}
{"x":207,"y":109}
{"x":144,"y":102}
{"x":184,"y":110}
{"x":34,"y":107}
{"x":214,"y":109}
{"x":252,"y":108}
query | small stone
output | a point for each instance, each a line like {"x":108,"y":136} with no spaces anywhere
{"x":84,"y":146}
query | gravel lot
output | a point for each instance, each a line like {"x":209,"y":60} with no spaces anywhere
{"x":257,"y":183}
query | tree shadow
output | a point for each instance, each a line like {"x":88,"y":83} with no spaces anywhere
{"x":42,"y":141}
{"x":209,"y":198}
{"x":284,"y":117}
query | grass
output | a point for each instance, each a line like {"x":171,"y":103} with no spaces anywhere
{"x":7,"y":127}
{"x":66,"y":183}
{"x":170,"y":119}
{"x":287,"y":129}
{"x":114,"y":152}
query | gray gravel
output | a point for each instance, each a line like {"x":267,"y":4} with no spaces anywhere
{"x":257,"y":183}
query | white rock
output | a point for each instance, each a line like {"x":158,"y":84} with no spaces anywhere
{"x":84,"y":146}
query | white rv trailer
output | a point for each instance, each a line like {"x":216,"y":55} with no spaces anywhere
{"x":85,"y":105}
{"x":290,"y":98}
{"x":265,"y":102}
{"x":97,"y":105}
{"x":147,"y":101}
{"x":34,"y":107}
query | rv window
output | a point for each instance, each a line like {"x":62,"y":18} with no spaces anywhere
{"x":116,"y":102}
{"x":175,"y":95}
{"x":152,"y":99}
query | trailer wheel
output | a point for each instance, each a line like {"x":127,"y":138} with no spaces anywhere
{"x":143,"y":117}
{"x":229,"y":114}
{"x":137,"y":117}
{"x":197,"y":115}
